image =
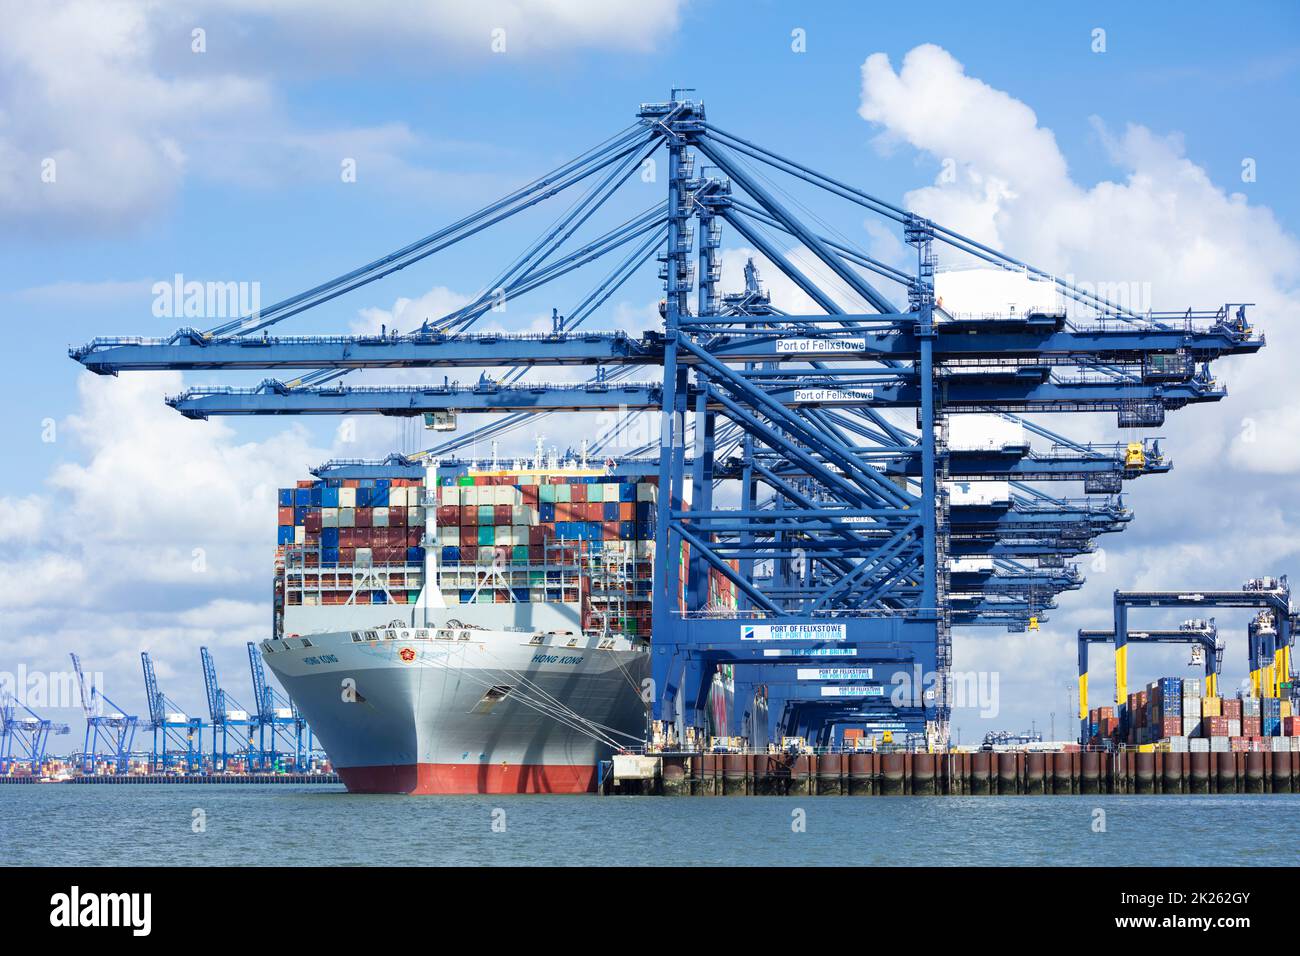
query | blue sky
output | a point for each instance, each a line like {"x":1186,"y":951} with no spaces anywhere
{"x":225,"y":165}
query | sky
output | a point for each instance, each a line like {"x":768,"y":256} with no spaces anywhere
{"x":209,"y":138}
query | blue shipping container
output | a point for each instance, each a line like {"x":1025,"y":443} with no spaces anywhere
{"x":416,"y":555}
{"x":329,"y":555}
{"x":286,"y":497}
{"x":301,"y":498}
{"x":627,"y":491}
{"x":451,"y":553}
{"x":611,"y":510}
{"x":329,"y":537}
{"x":548,"y":512}
{"x":300,"y":514}
{"x":329,"y":497}
{"x":378,"y":597}
{"x":286,"y":534}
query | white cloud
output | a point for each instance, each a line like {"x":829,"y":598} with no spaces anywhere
{"x":21,"y":519}
{"x":105,"y":110}
{"x":1228,"y":510}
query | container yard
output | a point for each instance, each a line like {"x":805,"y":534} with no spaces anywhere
{"x":761,"y":597}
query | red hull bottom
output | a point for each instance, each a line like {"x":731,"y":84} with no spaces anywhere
{"x":449,"y":778}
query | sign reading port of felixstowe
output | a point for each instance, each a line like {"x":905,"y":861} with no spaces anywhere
{"x":792,"y":632}
{"x":835,"y":396}
{"x":822,"y":346}
{"x":833,"y":673}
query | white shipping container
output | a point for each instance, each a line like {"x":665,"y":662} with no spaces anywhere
{"x":1191,"y":726}
{"x":364,"y":556}
{"x":236,"y":715}
{"x":1178,"y":745}
{"x":379,"y":517}
{"x":329,"y":517}
{"x":1280,"y":744}
{"x":299,"y":534}
{"x":994,"y":293}
{"x":1198,"y":745}
{"x":1192,"y":688}
{"x":505,"y":495}
{"x":646,"y":491}
{"x":176,"y":718}
{"x":978,"y":493}
{"x":449,"y":495}
{"x":347,"y":497}
{"x":469,"y":495}
{"x":1219,"y":745}
{"x":984,"y":433}
{"x":1234,"y":727}
{"x":449,"y":537}
{"x":969,"y":565}
{"x":347,"y":517}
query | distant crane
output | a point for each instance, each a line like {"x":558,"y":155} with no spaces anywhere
{"x":30,"y":734}
{"x":116,"y":728}
{"x":227,"y":715}
{"x":279,"y":716}
{"x":177,"y":738}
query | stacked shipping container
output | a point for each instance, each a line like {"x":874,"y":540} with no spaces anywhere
{"x":500,"y":538}
{"x":1174,"y":713}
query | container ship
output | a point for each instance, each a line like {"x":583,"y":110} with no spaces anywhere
{"x":477,"y":630}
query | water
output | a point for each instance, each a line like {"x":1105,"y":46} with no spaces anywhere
{"x":318,"y":825}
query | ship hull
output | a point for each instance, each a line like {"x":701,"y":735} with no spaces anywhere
{"x":463,"y":711}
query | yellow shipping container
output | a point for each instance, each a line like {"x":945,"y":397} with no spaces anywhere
{"x":1211,"y":707}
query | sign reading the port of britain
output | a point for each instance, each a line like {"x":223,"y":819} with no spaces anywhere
{"x":810,"y":652}
{"x":874,"y":690}
{"x":833,"y":673}
{"x":835,"y":396}
{"x":792,"y":632}
{"x":795,"y":346}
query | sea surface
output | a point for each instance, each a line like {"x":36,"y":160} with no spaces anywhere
{"x":312,"y":825}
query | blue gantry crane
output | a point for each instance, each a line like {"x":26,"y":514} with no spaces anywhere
{"x":110,"y":726}
{"x":24,"y":739}
{"x":229,"y":719}
{"x":282,"y":731}
{"x":803,"y":455}
{"x":177,"y":737}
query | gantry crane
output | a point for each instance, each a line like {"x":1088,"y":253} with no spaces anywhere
{"x":177,"y":737}
{"x":114,"y":728}
{"x":229,"y":718}
{"x":279,"y":722}
{"x":24,"y":739}
{"x":811,"y":445}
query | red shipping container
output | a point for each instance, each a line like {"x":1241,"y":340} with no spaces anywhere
{"x":530,"y":495}
{"x":1250,"y":726}
{"x":351,"y":483}
{"x":564,"y":511}
{"x":1215,"y":726}
{"x":448,"y":515}
{"x":577,"y":493}
{"x":347,"y":555}
{"x":627,"y":511}
{"x":1291,"y":726}
{"x":306,"y":483}
{"x":415,"y":537}
{"x":1232,"y":708}
{"x":469,"y":516}
{"x":609,"y":530}
{"x":500,"y":514}
{"x":313,"y":522}
{"x":595,"y":511}
{"x":285,"y":516}
{"x":468,"y":536}
{"x":536,"y":553}
{"x":1173,"y":727}
{"x":538,"y":533}
{"x":363,"y":517}
{"x":468,"y":554}
{"x":363,"y":597}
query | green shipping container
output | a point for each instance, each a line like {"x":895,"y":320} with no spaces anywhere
{"x":547,"y":493}
{"x":412,"y":597}
{"x":521,"y":554}
{"x":487,"y":535}
{"x":562,"y":492}
{"x":465,"y":481}
{"x":485,"y":515}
